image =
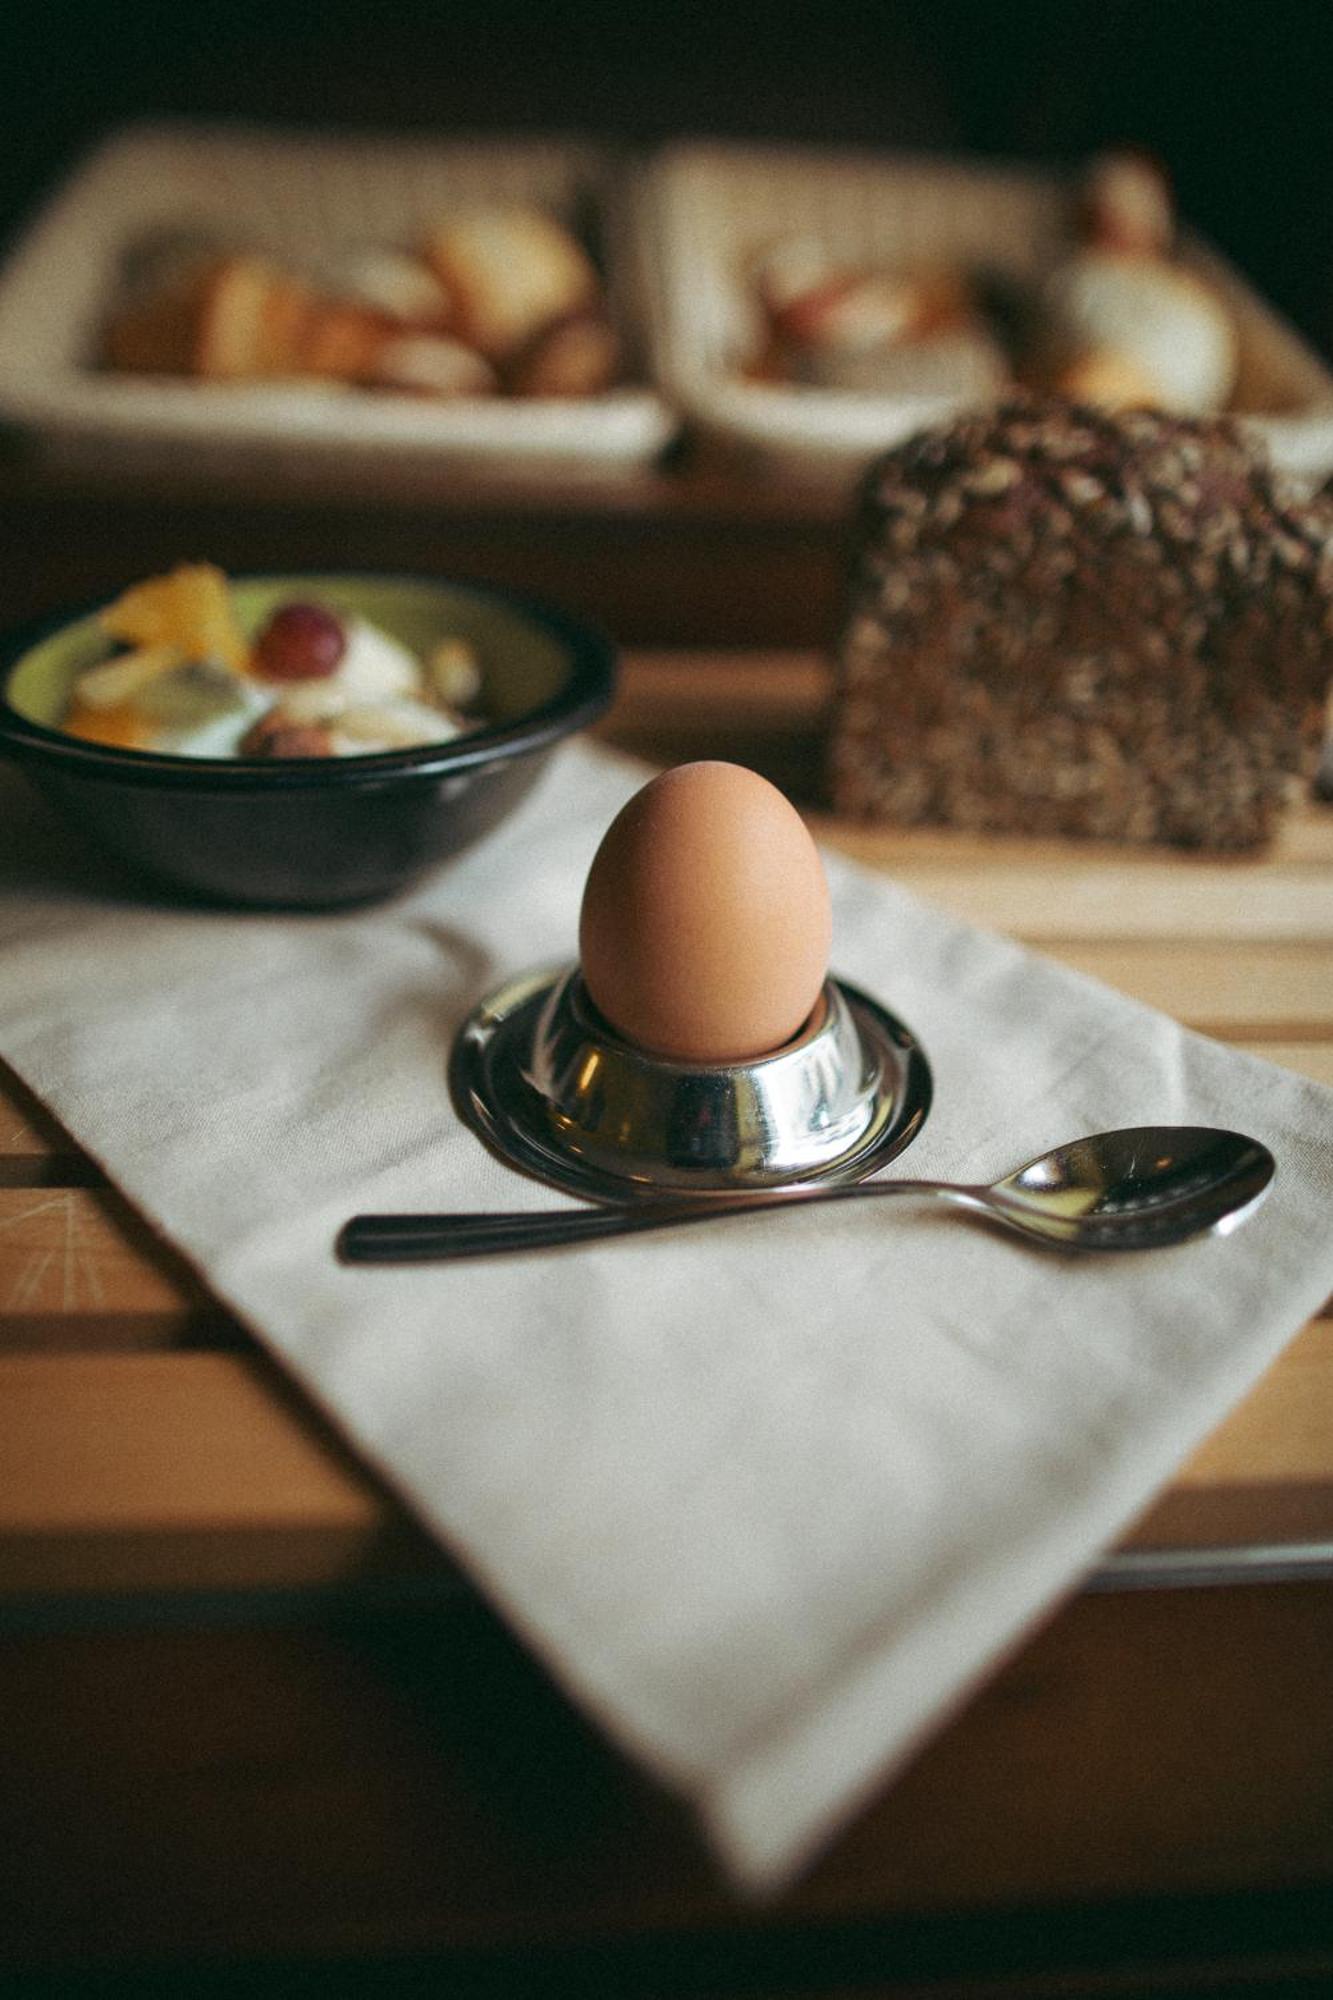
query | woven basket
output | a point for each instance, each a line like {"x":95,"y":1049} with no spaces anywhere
{"x":303,"y":196}
{"x":708,"y":209}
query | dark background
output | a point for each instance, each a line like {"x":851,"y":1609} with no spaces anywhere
{"x":1236,"y":97}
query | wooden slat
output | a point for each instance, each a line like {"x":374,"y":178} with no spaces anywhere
{"x":34,"y":1150}
{"x":79,"y":1270}
{"x":24,"y":1134}
{"x":1051,"y":895}
{"x":1239,"y":992}
{"x":154,"y":1471}
{"x":1089,"y":902}
{"x":157,"y":1471}
{"x":1310,"y":1059}
{"x":1266,"y":1476}
{"x":1303,"y":841}
{"x":1283,"y":1431}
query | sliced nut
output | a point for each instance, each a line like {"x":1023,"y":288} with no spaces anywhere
{"x":273,"y":735}
{"x":119,"y":680}
{"x":454,"y":672}
{"x":398,"y":725}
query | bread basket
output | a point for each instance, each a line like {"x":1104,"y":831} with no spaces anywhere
{"x":708,"y":208}
{"x":304,"y":196}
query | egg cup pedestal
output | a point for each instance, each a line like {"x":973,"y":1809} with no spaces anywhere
{"x":548,"y":1085}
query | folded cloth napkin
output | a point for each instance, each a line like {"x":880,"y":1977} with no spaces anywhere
{"x":769,"y":1497}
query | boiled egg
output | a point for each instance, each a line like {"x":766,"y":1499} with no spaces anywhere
{"x":705,"y":928}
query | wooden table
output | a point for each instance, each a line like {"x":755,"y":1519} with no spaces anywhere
{"x":253,"y":1720}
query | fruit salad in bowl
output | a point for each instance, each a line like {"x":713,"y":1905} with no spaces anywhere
{"x":302,"y":741}
{"x":316,"y":680}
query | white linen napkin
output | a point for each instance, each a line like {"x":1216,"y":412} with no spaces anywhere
{"x":767,"y":1497}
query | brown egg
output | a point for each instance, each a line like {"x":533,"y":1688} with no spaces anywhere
{"x":705,"y":928}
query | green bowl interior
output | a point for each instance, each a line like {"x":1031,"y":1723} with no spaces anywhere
{"x":523,"y":665}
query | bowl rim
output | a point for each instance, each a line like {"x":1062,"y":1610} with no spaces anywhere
{"x":586,"y":696}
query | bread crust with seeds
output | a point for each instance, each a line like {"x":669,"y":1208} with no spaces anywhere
{"x":1069,"y":621}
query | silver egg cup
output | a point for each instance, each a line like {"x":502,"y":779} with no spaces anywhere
{"x":551,"y":1087}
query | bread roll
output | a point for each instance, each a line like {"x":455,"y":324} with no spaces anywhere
{"x":1125,"y":203}
{"x":1154,"y":317}
{"x":506,"y":273}
{"x":432,"y":364}
{"x":238,"y":319}
{"x":575,"y":356}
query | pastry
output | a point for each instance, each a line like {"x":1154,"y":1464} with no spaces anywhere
{"x":1107,"y":378}
{"x":574,"y":356}
{"x":252,"y":322}
{"x":506,"y":273}
{"x":393,"y":283}
{"x":343,"y":341}
{"x":1125,"y":203}
{"x":495,"y":301}
{"x":235,"y":319}
{"x":869,"y":330}
{"x":1147,"y":316}
{"x":431,"y":364}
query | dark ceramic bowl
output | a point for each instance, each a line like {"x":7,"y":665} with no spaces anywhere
{"x":313,"y":832}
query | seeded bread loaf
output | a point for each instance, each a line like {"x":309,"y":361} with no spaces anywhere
{"x":1078,"y":622}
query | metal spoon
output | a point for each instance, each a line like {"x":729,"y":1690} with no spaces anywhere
{"x":1136,"y":1189}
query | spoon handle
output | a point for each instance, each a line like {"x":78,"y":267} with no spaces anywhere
{"x":400,"y":1239}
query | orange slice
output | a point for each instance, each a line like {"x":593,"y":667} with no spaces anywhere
{"x":190,"y":609}
{"x":124,"y":728}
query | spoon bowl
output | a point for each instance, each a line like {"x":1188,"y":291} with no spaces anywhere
{"x":1139,"y":1188}
{"x":1131,"y":1189}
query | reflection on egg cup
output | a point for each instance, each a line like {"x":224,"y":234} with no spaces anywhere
{"x":549,"y":1085}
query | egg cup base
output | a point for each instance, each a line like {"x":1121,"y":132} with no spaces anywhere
{"x":542,"y":1079}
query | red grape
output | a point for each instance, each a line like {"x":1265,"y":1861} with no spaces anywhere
{"x":301,"y":642}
